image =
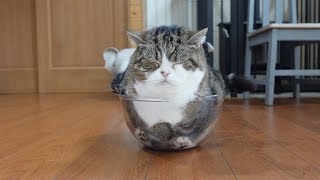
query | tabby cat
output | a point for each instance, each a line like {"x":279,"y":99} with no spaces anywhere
{"x":169,"y":64}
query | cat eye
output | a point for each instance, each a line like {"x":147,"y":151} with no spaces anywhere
{"x":190,"y":64}
{"x":193,"y":62}
{"x":147,"y":65}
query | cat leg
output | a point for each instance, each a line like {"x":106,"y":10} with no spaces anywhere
{"x":142,"y":137}
{"x":183,"y":142}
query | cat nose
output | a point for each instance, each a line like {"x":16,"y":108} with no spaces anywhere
{"x":165,"y":74}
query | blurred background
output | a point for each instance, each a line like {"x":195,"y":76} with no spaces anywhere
{"x":53,"y":46}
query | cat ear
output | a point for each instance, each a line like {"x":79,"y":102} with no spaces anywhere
{"x":198,"y":38}
{"x":135,"y":38}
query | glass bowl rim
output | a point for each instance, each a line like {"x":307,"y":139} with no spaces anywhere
{"x":145,"y":99}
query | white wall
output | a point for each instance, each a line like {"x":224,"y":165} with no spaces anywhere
{"x":171,"y":12}
{"x":157,"y":12}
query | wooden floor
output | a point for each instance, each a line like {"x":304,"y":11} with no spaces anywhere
{"x":83,"y":136}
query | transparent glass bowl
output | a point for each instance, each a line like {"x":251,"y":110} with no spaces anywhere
{"x":160,"y":125}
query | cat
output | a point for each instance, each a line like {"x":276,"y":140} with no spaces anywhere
{"x":169,"y":63}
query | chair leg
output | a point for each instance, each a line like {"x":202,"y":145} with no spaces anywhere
{"x":271,"y":67}
{"x":247,"y":66}
{"x":296,"y":85}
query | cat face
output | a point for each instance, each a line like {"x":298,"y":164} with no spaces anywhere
{"x":168,"y":59}
{"x":167,"y":67}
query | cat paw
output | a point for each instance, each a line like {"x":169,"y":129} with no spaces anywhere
{"x":142,"y":137}
{"x":183,"y":143}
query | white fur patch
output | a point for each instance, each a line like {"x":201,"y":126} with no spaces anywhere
{"x":123,"y":60}
{"x":184,"y":142}
{"x":117,"y":62}
{"x":178,"y":90}
{"x":109,"y":56}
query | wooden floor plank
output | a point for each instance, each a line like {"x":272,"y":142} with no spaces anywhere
{"x":231,"y":125}
{"x":250,"y":152}
{"x":306,"y":116}
{"x":83,"y":136}
{"x":260,"y":157}
{"x":204,"y":162}
{"x":280,"y":123}
{"x":42,"y":122}
{"x":49,"y":156}
{"x":116,"y":155}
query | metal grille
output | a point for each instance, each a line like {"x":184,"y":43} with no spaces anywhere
{"x":309,"y":12}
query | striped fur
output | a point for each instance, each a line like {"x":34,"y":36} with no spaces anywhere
{"x":182,"y":49}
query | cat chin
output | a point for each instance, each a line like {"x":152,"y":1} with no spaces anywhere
{"x":167,"y":84}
